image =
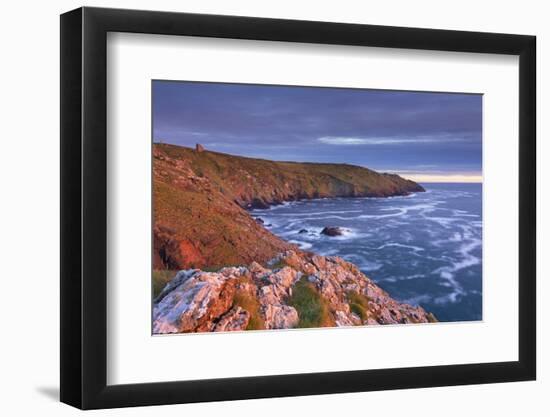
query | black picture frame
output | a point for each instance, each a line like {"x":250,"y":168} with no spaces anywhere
{"x":84,"y":207}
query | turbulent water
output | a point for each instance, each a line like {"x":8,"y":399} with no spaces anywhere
{"x":423,"y":249}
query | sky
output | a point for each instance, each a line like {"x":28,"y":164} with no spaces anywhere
{"x":423,"y":136}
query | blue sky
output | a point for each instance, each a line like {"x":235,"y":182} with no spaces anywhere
{"x":420,"y":135}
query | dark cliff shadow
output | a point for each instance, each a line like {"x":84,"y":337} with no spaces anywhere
{"x":50,"y":392}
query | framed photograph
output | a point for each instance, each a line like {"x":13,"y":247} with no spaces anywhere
{"x":257,"y":208}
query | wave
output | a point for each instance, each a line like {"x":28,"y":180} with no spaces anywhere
{"x":400,"y":245}
{"x":426,"y":247}
{"x":463,"y":213}
{"x":319,"y":213}
{"x":365,"y":265}
{"x":448,"y":273}
{"x":328,"y":252}
{"x":445,"y":222}
{"x":301,"y":244}
{"x":403,"y":278}
{"x":362,"y":263}
{"x":420,"y":299}
{"x":400,"y":212}
{"x":327,"y":217}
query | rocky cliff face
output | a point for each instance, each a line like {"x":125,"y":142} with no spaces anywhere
{"x":196,"y":224}
{"x":201,"y":197}
{"x":260,"y":183}
{"x":296,"y":290}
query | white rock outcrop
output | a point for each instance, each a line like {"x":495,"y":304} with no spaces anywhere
{"x":198,"y":301}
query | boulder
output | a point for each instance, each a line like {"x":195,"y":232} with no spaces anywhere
{"x":234,"y":320}
{"x":332,"y":231}
{"x":279,"y":316}
{"x":193,"y":305}
{"x":179,"y":279}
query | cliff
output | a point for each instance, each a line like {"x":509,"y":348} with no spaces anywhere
{"x":296,"y":290}
{"x":259,"y":183}
{"x":201,"y":197}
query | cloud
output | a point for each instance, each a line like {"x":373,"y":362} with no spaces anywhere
{"x":307,"y":124}
{"x":392,"y":140}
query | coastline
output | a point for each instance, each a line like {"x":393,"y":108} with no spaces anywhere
{"x":234,"y":273}
{"x":424,"y":249}
{"x":202,"y":202}
{"x":296,"y":290}
{"x":266,"y":205}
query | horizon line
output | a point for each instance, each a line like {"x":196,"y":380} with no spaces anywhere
{"x":410,"y":175}
{"x":451,"y":178}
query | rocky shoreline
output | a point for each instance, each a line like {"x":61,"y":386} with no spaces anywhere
{"x":295,"y":291}
{"x":201,"y":221}
{"x":201,"y":201}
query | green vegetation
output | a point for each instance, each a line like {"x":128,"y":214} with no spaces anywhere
{"x":312,"y":308}
{"x":267,"y":180}
{"x":160,"y":279}
{"x":250,"y":303}
{"x":359,"y":304}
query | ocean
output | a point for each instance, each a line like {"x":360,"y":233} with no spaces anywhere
{"x":423,"y":249}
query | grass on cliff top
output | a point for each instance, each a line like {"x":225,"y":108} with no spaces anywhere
{"x":250,"y":303}
{"x":359,"y":304}
{"x":160,"y":279}
{"x":312,"y":308}
{"x":220,"y":230}
{"x":307,"y":178}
